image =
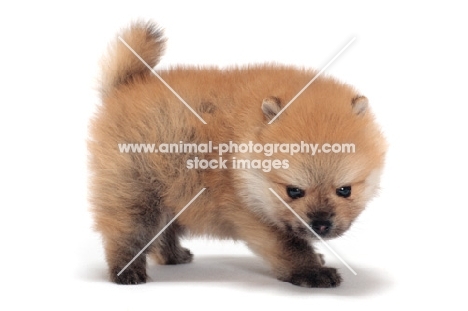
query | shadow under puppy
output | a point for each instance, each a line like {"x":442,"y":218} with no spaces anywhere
{"x":134,"y":195}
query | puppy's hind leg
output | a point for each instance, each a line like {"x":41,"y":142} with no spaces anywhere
{"x":168,"y":250}
{"x":127,"y":228}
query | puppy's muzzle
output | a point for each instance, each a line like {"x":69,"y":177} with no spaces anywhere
{"x":321,"y":227}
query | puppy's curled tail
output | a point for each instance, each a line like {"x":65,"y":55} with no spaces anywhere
{"x":121,"y":65}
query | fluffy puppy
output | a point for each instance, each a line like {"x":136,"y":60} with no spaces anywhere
{"x":135,"y":195}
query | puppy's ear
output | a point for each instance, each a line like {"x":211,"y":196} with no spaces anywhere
{"x":360,"y":104}
{"x":270,"y":107}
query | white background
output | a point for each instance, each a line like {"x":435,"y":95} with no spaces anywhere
{"x":410,"y":60}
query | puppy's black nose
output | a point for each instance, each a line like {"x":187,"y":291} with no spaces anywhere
{"x":321,"y":227}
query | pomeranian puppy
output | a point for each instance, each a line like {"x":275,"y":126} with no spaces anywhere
{"x":134,"y":195}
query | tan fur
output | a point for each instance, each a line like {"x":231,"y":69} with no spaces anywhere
{"x":135,"y":195}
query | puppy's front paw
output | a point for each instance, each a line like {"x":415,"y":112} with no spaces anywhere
{"x":323,"y":277}
{"x":129,"y":276}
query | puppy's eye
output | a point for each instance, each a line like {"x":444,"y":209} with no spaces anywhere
{"x":294,"y":192}
{"x":344,"y":192}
